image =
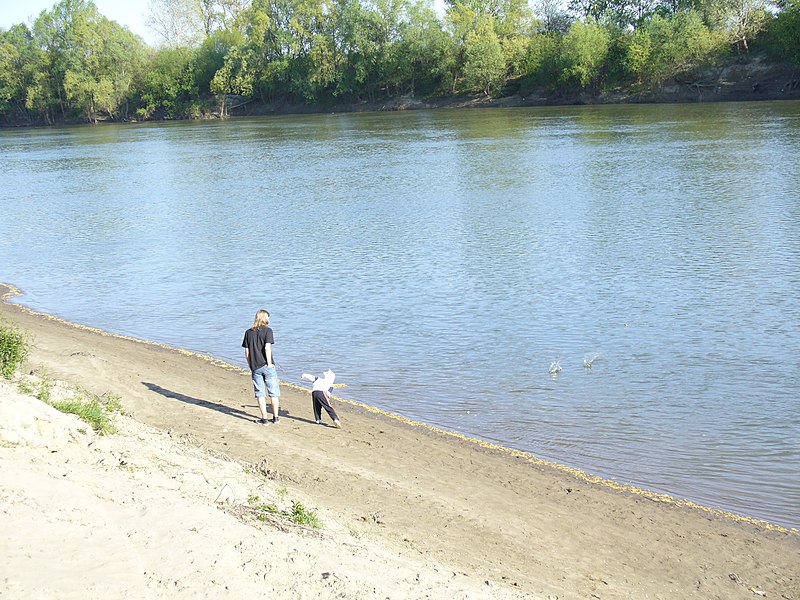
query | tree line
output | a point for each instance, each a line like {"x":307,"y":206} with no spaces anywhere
{"x":74,"y":63}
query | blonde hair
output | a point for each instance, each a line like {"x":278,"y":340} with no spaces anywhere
{"x":262,"y":319}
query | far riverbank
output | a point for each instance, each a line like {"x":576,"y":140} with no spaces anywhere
{"x":741,"y":79}
{"x":748,"y":80}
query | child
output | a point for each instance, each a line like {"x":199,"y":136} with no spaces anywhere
{"x":320,"y":397}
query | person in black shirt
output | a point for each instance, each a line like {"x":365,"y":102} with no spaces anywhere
{"x":257,"y":344}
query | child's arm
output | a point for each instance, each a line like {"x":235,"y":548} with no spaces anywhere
{"x":309,"y":377}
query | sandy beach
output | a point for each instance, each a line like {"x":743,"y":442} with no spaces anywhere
{"x":160,"y":509}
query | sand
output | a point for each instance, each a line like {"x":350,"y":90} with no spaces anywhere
{"x":161,"y":508}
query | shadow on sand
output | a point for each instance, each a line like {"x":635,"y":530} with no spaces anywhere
{"x":234,"y":412}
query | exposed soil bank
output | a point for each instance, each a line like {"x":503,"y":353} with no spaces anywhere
{"x":750,"y":80}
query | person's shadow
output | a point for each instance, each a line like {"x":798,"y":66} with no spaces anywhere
{"x":234,"y":412}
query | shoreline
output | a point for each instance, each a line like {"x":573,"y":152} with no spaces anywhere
{"x":474,"y":507}
{"x":8,"y":291}
{"x":219,"y":510}
{"x":720,"y":90}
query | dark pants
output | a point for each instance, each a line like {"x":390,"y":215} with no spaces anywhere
{"x":320,"y":400}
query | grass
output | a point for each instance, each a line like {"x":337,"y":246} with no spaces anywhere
{"x":44,"y":390}
{"x":299,"y":514}
{"x":25,"y":387}
{"x":262,"y":509}
{"x":93,"y":412}
{"x":14,"y":348}
{"x":97,"y":411}
{"x":305,"y":516}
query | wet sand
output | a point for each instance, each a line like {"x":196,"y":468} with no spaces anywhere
{"x":458,"y":506}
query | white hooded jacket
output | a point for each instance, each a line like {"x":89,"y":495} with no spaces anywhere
{"x":321,"y":384}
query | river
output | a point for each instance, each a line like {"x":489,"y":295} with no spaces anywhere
{"x":615,"y":288}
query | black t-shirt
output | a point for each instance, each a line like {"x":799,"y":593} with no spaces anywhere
{"x":255,"y":340}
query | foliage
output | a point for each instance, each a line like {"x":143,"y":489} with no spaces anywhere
{"x":262,"y":509}
{"x":14,"y":349}
{"x":168,"y":89}
{"x":44,"y":390}
{"x":542,"y":62}
{"x":305,"y":516}
{"x":97,"y":411}
{"x":783,"y":34}
{"x":668,"y":46}
{"x":584,"y":52}
{"x":299,"y":514}
{"x":93,"y":412}
{"x":484,"y":65}
{"x":73,"y":62}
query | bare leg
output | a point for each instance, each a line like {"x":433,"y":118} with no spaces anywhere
{"x":275,"y":408}
{"x":262,"y":406}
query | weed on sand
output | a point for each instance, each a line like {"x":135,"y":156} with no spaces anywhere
{"x":97,"y":411}
{"x":269,"y":512}
{"x":14,"y":347}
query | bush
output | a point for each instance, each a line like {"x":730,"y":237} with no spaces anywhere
{"x":666,"y":47}
{"x":13,"y":349}
{"x":783,"y":36}
{"x":305,"y":516}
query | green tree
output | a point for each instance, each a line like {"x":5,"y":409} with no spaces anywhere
{"x":508,"y":17}
{"x":584,"y":52}
{"x":233,"y":78}
{"x":542,"y":64}
{"x":424,"y":52}
{"x":89,"y":63}
{"x":484,"y":64}
{"x":210,"y":57}
{"x":783,"y":36}
{"x":668,"y":46}
{"x":20,"y":67}
{"x":168,"y":88}
{"x":89,"y":94}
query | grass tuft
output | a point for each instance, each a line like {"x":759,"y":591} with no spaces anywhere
{"x":300,"y":515}
{"x":305,"y":516}
{"x":93,"y":412}
{"x":44,"y":390}
{"x":14,"y":348}
{"x":25,"y":387}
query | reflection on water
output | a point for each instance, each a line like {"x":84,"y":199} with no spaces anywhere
{"x":442,"y":261}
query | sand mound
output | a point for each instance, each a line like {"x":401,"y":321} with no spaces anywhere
{"x":142,"y":514}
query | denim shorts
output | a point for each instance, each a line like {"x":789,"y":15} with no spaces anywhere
{"x":265,"y":382}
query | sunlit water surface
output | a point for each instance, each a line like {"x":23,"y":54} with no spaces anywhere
{"x":443,"y":263}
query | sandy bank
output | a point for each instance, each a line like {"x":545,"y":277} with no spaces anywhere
{"x":146,"y":514}
{"x":402,"y":500}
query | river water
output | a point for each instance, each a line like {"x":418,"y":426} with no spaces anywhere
{"x":443,"y":263}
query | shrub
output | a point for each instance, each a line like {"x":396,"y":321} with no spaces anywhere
{"x":13,"y":349}
{"x":783,"y":37}
{"x":305,"y":516}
